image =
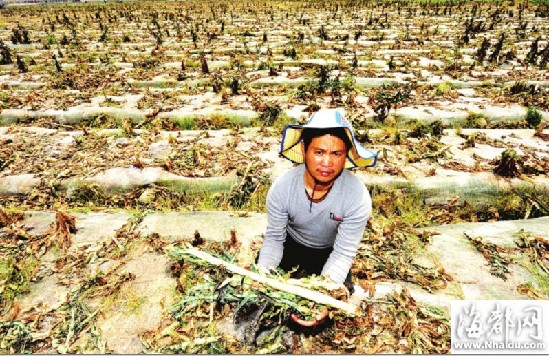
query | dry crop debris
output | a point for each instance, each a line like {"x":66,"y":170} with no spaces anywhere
{"x":396,"y":324}
{"x":68,"y":37}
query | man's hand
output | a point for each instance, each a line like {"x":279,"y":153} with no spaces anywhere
{"x":316,"y":282}
{"x":319,"y":319}
{"x":263,"y":270}
{"x":327,"y":283}
{"x":259,"y":269}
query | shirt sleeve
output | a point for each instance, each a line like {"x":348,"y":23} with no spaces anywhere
{"x":277,"y":222}
{"x":349,"y":235}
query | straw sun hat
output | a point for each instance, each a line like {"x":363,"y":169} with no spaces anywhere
{"x":291,"y":148}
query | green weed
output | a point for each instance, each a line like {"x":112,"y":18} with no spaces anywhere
{"x":51,"y":39}
{"x":15,"y":277}
{"x":533,"y":117}
{"x":444,"y":89}
{"x":185,"y":123}
{"x":15,"y":337}
{"x":476,"y":121}
{"x":215,"y":121}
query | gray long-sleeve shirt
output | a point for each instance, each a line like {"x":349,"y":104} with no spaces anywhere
{"x":338,"y":220}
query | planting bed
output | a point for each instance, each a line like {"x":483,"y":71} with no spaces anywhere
{"x":130,"y":131}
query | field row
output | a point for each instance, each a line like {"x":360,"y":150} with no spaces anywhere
{"x":370,"y":56}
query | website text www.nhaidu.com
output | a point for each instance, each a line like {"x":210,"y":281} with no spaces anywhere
{"x":489,"y":345}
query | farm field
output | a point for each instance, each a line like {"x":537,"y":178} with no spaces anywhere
{"x":130,"y":131}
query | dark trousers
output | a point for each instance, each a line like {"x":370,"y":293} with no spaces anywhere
{"x":307,"y":261}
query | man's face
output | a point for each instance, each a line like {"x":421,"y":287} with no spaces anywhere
{"x":325,"y":158}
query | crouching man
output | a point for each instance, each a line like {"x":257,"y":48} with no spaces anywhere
{"x":318,"y":210}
